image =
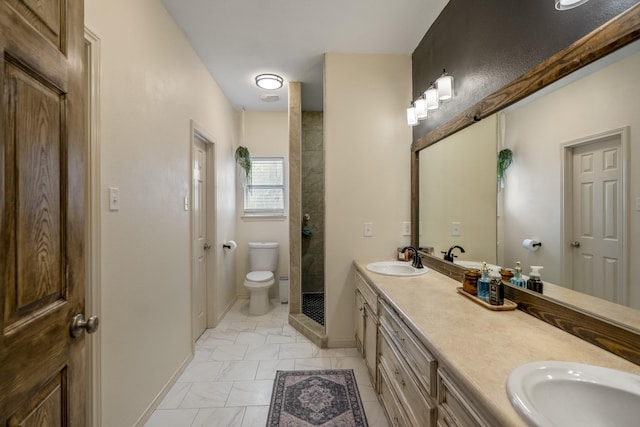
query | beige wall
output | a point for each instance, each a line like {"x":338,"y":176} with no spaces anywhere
{"x":153,"y":85}
{"x":266,"y":134}
{"x":600,"y":102}
{"x":458,"y":183}
{"x":367,"y":143}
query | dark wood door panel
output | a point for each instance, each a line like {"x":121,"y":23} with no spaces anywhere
{"x":45,"y":16}
{"x":42,"y":212}
{"x":34,"y":171}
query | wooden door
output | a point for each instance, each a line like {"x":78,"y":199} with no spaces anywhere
{"x":42,"y":208}
{"x":200,"y":243}
{"x":598,"y":218}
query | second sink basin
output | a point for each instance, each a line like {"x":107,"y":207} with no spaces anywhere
{"x":552,"y":393}
{"x":395,"y":268}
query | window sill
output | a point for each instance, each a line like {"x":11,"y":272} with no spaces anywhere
{"x":263,"y":217}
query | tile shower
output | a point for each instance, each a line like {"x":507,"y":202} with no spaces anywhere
{"x":312,"y":244}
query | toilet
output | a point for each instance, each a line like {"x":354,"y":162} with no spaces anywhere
{"x":263,"y":262}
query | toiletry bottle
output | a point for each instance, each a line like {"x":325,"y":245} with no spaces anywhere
{"x":534,"y":283}
{"x":496,"y":289}
{"x":517,"y":278}
{"x":483,"y":283}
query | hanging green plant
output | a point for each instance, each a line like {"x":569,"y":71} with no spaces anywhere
{"x":243,"y":158}
{"x":505,"y":157}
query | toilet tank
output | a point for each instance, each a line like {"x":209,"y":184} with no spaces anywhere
{"x":263,"y":256}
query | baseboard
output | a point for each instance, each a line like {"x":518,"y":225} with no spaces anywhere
{"x":158,"y":399}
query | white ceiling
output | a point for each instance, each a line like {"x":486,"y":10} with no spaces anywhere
{"x":238,"y":39}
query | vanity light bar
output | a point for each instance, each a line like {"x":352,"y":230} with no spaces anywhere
{"x":439,"y":91}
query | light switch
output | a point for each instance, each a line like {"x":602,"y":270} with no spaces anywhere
{"x":114,"y":199}
{"x":637,"y":204}
{"x":456,"y":229}
{"x":368,"y":229}
{"x":186,"y":203}
{"x":406,"y":228}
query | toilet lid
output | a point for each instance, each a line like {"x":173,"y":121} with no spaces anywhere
{"x":260,"y":276}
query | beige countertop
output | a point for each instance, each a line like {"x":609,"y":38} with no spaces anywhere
{"x":479,"y":346}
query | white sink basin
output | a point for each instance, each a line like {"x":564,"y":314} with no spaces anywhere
{"x":567,"y":394}
{"x":395,"y":268}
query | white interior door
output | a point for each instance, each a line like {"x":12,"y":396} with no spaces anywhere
{"x":201,"y":245}
{"x":598,"y":218}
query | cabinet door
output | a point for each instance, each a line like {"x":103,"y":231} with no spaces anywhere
{"x":358,"y":321}
{"x":370,"y":342}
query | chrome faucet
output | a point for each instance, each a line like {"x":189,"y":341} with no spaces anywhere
{"x":417,"y":261}
{"x":448,"y":256}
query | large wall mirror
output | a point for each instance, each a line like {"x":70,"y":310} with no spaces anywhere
{"x":576,"y":145}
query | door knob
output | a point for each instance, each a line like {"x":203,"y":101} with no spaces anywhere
{"x":207,"y":246}
{"x":575,"y":244}
{"x":79,"y":325}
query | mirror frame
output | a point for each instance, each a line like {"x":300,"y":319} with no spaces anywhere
{"x":606,"y":333}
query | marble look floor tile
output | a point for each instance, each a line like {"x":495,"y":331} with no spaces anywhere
{"x":219,"y":417}
{"x":251,"y":338}
{"x":229,"y":352}
{"x":250,"y":393}
{"x":355,"y":363}
{"x":201,"y":371}
{"x":367,"y":393}
{"x":175,"y":396}
{"x":207,"y":395}
{"x":262,"y":352}
{"x":242,"y":326}
{"x":202,"y":354}
{"x":255,"y":416}
{"x":267,"y":368}
{"x":296,"y":351}
{"x":312,"y":364}
{"x":328,"y":352}
{"x":281,"y":338}
{"x":238,"y":370}
{"x":376,"y":417}
{"x":172,"y":418}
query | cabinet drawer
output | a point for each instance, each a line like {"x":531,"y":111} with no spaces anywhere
{"x":369,"y":295}
{"x":420,"y":361}
{"x":453,"y":408}
{"x":418,"y":407}
{"x":390,"y":402}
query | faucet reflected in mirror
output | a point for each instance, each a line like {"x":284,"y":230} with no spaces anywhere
{"x":417,"y":261}
{"x":449,"y":256}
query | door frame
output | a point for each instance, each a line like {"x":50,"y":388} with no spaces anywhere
{"x":93,"y":301}
{"x":566,"y":173}
{"x":198,"y":131}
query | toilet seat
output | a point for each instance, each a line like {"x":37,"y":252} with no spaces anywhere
{"x":259,"y":276}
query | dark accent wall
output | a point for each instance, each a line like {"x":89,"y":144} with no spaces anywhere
{"x":486,"y":44}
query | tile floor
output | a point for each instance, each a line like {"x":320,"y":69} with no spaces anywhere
{"x":230,"y":379}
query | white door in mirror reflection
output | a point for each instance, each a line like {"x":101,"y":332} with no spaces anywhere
{"x":597,"y":219}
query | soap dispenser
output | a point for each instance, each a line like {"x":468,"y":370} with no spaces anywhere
{"x":483,"y":283}
{"x":496,"y":289}
{"x":534,"y":283}
{"x":517,"y":278}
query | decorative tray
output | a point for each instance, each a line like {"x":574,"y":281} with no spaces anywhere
{"x":507,"y":306}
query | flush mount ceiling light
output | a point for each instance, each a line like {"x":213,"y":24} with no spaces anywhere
{"x":269,"y":81}
{"x":569,"y":4}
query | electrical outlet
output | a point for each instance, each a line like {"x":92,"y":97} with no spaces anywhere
{"x":456,"y":229}
{"x":406,"y":228}
{"x":368,"y":229}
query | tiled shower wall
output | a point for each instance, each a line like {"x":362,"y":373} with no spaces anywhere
{"x":313,"y":201}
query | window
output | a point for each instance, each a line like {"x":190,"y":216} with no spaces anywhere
{"x":264,"y":196}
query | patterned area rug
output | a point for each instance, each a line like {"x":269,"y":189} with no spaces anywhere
{"x":316,"y":398}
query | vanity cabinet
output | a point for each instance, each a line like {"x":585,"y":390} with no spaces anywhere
{"x":414,"y":388}
{"x":366,"y":324}
{"x":455,"y":407}
{"x":407,"y":372}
